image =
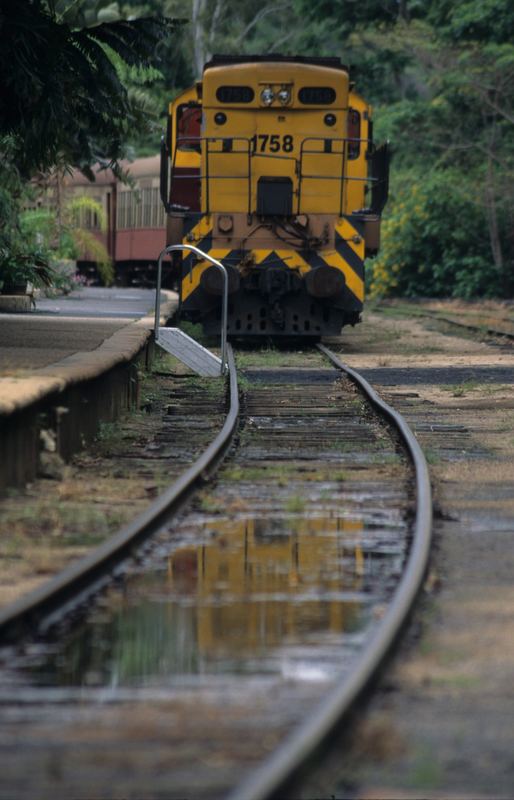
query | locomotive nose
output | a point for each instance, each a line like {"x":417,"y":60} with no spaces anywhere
{"x":324,"y":281}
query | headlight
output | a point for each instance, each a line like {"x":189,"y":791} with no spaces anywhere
{"x":267,"y":96}
{"x":284,"y":96}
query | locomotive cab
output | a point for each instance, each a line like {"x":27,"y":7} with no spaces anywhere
{"x":270,"y":167}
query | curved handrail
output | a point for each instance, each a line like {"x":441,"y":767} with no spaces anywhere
{"x":224,"y":312}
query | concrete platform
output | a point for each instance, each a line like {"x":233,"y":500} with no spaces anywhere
{"x":67,"y":366}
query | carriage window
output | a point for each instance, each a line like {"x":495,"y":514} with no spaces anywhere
{"x":354,"y":132}
{"x":235,"y":94}
{"x":316,"y":95}
{"x":189,"y":122}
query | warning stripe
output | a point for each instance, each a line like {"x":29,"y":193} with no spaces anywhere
{"x":191,"y":282}
{"x":354,"y":282}
{"x":350,"y":235}
{"x":348,"y":256}
{"x":198,"y":232}
{"x":290,"y":258}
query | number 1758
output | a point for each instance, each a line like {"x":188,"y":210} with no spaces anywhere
{"x":272,"y":143}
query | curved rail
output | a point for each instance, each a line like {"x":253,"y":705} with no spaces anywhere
{"x":286,"y":761}
{"x":82,"y":577}
{"x":480,"y":329}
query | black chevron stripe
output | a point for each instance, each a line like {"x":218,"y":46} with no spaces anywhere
{"x":313,"y":258}
{"x":192,"y":219}
{"x":189,"y":261}
{"x":349,"y":255}
{"x":357,"y":223}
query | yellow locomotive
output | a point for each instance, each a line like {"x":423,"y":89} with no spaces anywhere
{"x":269,"y":165}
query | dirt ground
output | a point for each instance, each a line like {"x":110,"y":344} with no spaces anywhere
{"x":441,"y":723}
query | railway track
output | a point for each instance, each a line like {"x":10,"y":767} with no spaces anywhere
{"x":270,"y":600}
{"x":501,"y":328}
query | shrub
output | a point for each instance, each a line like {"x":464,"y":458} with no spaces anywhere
{"x":435,"y":240}
{"x":66,"y":238}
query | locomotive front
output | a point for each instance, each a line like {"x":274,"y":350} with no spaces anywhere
{"x":271,"y":169}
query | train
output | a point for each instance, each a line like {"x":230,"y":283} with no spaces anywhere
{"x":135,"y":229}
{"x":268,"y":165}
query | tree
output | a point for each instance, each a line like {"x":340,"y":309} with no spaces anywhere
{"x":64,"y":100}
{"x":472,"y":20}
{"x":67,"y":98}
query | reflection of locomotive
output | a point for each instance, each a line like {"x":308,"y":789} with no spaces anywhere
{"x":271,"y":168}
{"x":265,"y":567}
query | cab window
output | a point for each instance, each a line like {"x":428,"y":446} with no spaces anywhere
{"x":354,"y":132}
{"x":189,"y":126}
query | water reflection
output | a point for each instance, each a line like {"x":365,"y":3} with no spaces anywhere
{"x":224,"y":601}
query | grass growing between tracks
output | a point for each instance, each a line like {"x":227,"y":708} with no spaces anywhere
{"x":269,"y":355}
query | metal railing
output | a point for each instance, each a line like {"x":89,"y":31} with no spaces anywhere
{"x":328,"y":148}
{"x":224,"y":309}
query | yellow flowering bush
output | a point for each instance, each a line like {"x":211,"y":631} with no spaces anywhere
{"x":434,"y":240}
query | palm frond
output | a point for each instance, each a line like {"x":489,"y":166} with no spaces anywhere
{"x":133,"y":40}
{"x":91,"y":248}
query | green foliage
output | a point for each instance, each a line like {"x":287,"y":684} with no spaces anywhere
{"x":64,"y":101}
{"x":473,"y":20}
{"x":350,"y":14}
{"x":434,"y":241}
{"x":20,"y":264}
{"x":20,"y":259}
{"x":65,"y":237}
{"x":74,"y":74}
{"x":87,"y":80}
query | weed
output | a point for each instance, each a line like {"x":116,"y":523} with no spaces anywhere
{"x":341,"y":447}
{"x":233,"y":474}
{"x":460,"y":389}
{"x":383,"y":458}
{"x":277,"y":474}
{"x":456,"y":681}
{"x":295,"y":504}
{"x":426,"y":771}
{"x":214,"y":388}
{"x":164,"y":363}
{"x":493,"y":388}
{"x":208,"y":503}
{"x":194,"y":330}
{"x":271,"y":356}
{"x":243,"y":382}
{"x":431,"y":456}
{"x":338,"y":476}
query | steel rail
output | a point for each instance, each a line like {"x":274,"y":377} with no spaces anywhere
{"x":83,"y":576}
{"x":480,"y":329}
{"x":287,"y":760}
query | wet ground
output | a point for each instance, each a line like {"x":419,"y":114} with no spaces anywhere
{"x":233,"y":623}
{"x":94,"y":301}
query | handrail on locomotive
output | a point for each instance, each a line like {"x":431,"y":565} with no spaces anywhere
{"x":224,"y":309}
{"x":379,"y":182}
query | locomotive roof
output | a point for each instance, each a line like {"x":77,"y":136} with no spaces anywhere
{"x":334,"y":62}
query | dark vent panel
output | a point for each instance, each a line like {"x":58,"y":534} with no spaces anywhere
{"x":235,"y":94}
{"x":317,"y":95}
